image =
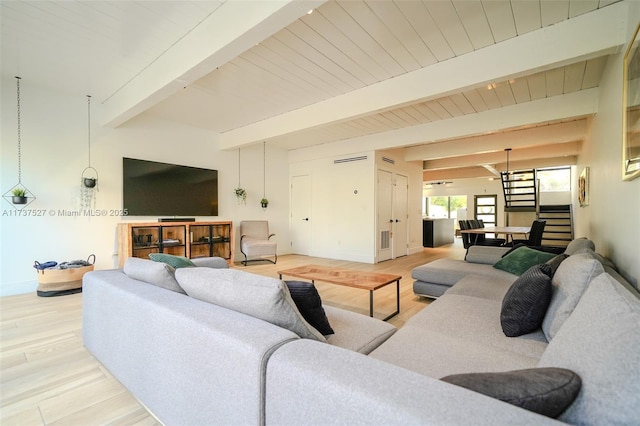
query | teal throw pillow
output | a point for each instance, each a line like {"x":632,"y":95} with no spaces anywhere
{"x":518,"y":261}
{"x":171,"y":260}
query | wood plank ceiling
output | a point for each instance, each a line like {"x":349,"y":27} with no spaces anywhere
{"x":341,"y":47}
{"x":346,"y":45}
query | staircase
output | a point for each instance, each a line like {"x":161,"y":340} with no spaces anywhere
{"x":558,"y":231}
{"x":521,"y":195}
{"x":519,"y":189}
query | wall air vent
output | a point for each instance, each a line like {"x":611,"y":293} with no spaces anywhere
{"x":349,"y":160}
{"x":384,"y":240}
{"x":389,"y":160}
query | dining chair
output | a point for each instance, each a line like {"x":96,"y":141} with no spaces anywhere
{"x":535,"y":236}
{"x":466,"y":240}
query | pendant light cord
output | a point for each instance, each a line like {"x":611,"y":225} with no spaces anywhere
{"x":19,"y":133}
{"x":508,"y":150}
{"x":264,"y":169}
{"x":89,"y":126}
{"x":239,"y":168}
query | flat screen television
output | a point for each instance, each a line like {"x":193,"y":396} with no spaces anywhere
{"x":160,"y":189}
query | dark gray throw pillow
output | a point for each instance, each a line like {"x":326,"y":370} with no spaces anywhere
{"x":555,"y":262}
{"x":546,"y":391}
{"x":307,"y":300}
{"x":526,"y":302}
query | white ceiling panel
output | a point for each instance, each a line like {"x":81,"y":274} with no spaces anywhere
{"x":537,"y":86}
{"x":504,"y":93}
{"x":472,"y":16}
{"x":446,"y":18}
{"x":104,"y":43}
{"x":476,"y":100}
{"x":554,"y":81}
{"x":520,"y":90}
{"x":553,"y":11}
{"x":573,"y":76}
{"x":462,"y":103}
{"x":579,"y":7}
{"x":593,"y":72}
{"x":423,"y":23}
{"x":344,"y":46}
{"x":526,"y":15}
{"x":389,"y":14}
{"x":500,"y":17}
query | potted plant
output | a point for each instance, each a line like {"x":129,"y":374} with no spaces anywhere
{"x":264,"y":203}
{"x":241,"y":195}
{"x":19,"y":196}
{"x":89,"y":182}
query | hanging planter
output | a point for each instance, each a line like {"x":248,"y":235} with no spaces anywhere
{"x":264,"y":202}
{"x":19,"y":195}
{"x":241,"y":195}
{"x":240,"y":192}
{"x":87,"y":181}
{"x":89,"y":176}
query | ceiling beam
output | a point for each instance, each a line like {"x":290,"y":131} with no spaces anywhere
{"x":496,"y":142}
{"x":229,"y":31}
{"x":494,"y":158}
{"x":564,"y":107}
{"x":587,"y":36}
{"x":479,"y":172}
{"x":491,"y":169}
{"x":462,"y":173}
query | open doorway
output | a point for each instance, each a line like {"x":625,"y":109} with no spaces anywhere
{"x":486,"y":209}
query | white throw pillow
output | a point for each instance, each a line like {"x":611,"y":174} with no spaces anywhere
{"x":568,"y":284}
{"x":156,"y":273}
{"x":261,"y":297}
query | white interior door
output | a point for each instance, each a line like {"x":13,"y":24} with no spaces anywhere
{"x":301,"y":215}
{"x":385,"y":215}
{"x":400,"y":215}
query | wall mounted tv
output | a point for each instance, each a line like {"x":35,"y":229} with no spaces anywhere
{"x":160,"y":189}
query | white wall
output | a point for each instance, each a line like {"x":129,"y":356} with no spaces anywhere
{"x":54,"y":153}
{"x":612,"y":219}
{"x":343,"y":222}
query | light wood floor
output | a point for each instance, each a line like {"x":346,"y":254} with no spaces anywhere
{"x":47,"y":377}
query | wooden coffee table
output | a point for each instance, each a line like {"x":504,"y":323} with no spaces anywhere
{"x":350,"y":278}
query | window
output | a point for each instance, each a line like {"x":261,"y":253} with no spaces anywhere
{"x":486,"y":209}
{"x":555,"y":180}
{"x":445,"y":206}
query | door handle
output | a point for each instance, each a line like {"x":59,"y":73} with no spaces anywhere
{"x":397,"y":220}
{"x":306,"y":218}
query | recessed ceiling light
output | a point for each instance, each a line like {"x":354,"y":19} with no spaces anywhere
{"x":310,"y":12}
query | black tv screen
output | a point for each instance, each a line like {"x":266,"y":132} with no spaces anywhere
{"x":161,"y":189}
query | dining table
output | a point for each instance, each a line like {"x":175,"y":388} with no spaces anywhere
{"x":508,"y":231}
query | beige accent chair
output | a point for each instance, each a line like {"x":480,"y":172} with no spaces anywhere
{"x":255,"y":241}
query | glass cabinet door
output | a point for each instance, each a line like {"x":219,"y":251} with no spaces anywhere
{"x":221,"y":240}
{"x":173,"y":240}
{"x":200,"y":241}
{"x":145,"y":240}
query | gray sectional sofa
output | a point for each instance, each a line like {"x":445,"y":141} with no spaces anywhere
{"x":434,"y":278}
{"x":192,"y":362}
